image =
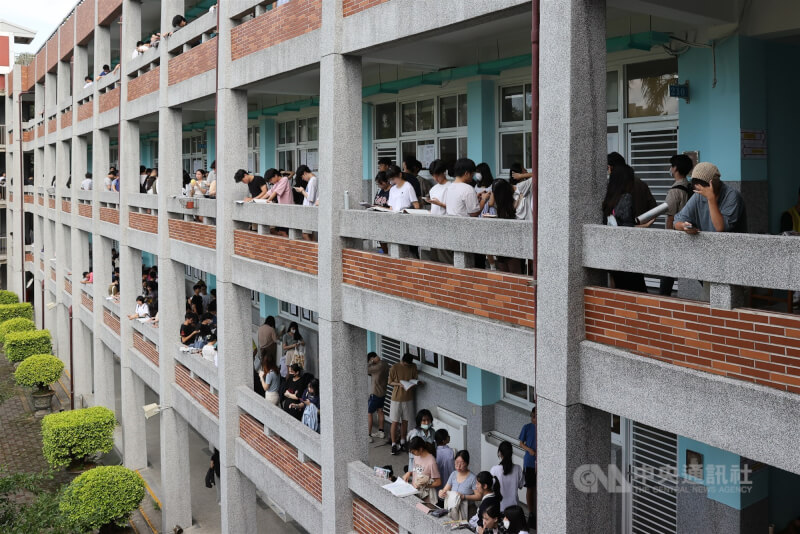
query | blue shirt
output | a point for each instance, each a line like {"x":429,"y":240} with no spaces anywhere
{"x":445,"y":461}
{"x":528,"y":436}
{"x":730,"y":204}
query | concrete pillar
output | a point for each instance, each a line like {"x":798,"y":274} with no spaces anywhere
{"x":100,"y":158}
{"x":64,"y":88}
{"x":571,"y":140}
{"x":80,"y":68}
{"x":102,"y":47}
{"x":50,"y":93}
{"x":131,"y":29}
{"x":134,"y":433}
{"x":726,"y":296}
{"x":481,"y":122}
{"x":341,"y":346}
{"x":233,"y":311}
{"x":103,"y":358}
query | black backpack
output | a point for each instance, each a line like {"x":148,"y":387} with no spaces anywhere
{"x":689,"y":190}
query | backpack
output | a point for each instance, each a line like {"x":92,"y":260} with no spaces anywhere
{"x":688,"y":189}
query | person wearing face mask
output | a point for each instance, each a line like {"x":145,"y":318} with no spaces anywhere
{"x":509,"y":475}
{"x":424,"y":430}
{"x":514,"y":521}
{"x":491,"y":521}
{"x":293,"y":341}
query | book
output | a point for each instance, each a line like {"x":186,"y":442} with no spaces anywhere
{"x":379,"y":208}
{"x":400,"y":488}
{"x":408,"y":384}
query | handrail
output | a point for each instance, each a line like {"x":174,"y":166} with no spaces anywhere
{"x":498,"y":237}
{"x":284,"y":215}
{"x":63,"y":192}
{"x":194,"y":29}
{"x":281,"y":423}
{"x":150,"y":55}
{"x":108,"y":79}
{"x":204,"y":207}
{"x":752,"y":260}
{"x":148,"y":331}
{"x":142,"y":200}
{"x":81,"y":194}
{"x":109,"y":197}
{"x":199,"y":366}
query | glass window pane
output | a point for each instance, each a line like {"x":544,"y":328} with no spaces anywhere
{"x":409,"y":149}
{"x":448,"y":150}
{"x":302,"y":132}
{"x":249,"y":138}
{"x":462,"y":110}
{"x":425,"y":114}
{"x":256,"y":137}
{"x":426,"y":155}
{"x":511,"y":149}
{"x":516,"y":389}
{"x":528,"y":102}
{"x":430,"y":358}
{"x":511,"y":104}
{"x":612,"y":91}
{"x":386,"y":121}
{"x":282,"y":133}
{"x":290,"y":132}
{"x":648,"y":88}
{"x":409,"y":117}
{"x":528,"y":163}
{"x":257,"y":162}
{"x":451,"y":366}
{"x":462,"y":147}
{"x":448,"y":112}
{"x":313,"y":128}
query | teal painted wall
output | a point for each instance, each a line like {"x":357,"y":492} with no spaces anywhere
{"x":268,"y":144}
{"x":483,"y":388}
{"x":753,"y":99}
{"x":145,"y":153}
{"x":370,"y":168}
{"x":149,"y":260}
{"x":268,"y":306}
{"x":783,"y":138}
{"x":481,"y":123}
{"x":372,"y":341}
{"x":89,"y":160}
{"x":211,"y":281}
{"x":211,"y":145}
{"x":711,"y":121}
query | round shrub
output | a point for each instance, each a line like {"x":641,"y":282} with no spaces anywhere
{"x":8,"y":297}
{"x":77,"y":434}
{"x":38,"y":371}
{"x":9,"y":311}
{"x":20,"y":345}
{"x":17,"y":324}
{"x":101,"y":496}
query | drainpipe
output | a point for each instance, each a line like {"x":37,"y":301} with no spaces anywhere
{"x":535,"y":166}
{"x":71,"y":367}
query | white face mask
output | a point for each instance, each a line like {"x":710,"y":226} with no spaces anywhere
{"x":506,"y":524}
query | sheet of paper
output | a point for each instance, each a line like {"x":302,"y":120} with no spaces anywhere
{"x":426,"y":154}
{"x":400,"y":488}
{"x":408,"y":384}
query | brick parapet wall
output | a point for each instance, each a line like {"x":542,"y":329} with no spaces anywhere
{"x":351,"y":7}
{"x":27,"y":136}
{"x":111,"y":320}
{"x":66,"y":206}
{"x":29,"y":257}
{"x":146,"y":347}
{"x":277,"y":25}
{"x":204,"y":235}
{"x":281,"y":454}
{"x":41,"y":64}
{"x":27,"y":198}
{"x":87,"y":301}
{"x":145,"y":223}
{"x":51,"y":203}
{"x":68,"y":286}
{"x":144,"y":85}
{"x":290,"y":253}
{"x":85,"y":111}
{"x":505,"y":297}
{"x":66,"y":119}
{"x":85,"y":210}
{"x":202,"y":58}
{"x":40,"y":200}
{"x":52,"y":273}
{"x":40,"y":130}
{"x":752,"y":345}
{"x":369,"y":520}
{"x":66,"y":36}
{"x":109,"y":100}
{"x":109,"y":215}
{"x":198,"y":388}
{"x":51,"y":125}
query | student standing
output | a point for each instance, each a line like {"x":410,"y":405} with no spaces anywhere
{"x":378,"y":370}
{"x":509,"y":475}
{"x":402,"y":403}
{"x":423,"y":429}
{"x":460,"y":199}
{"x":527,"y":440}
{"x":677,"y":197}
{"x":402,"y":194}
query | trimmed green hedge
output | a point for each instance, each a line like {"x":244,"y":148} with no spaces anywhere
{"x":17,"y":324}
{"x":8,"y":297}
{"x":9,"y":311}
{"x":38,"y":371}
{"x":101,"y":496}
{"x":20,"y":345}
{"x":75,"y":435}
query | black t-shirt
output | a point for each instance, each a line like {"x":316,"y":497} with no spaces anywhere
{"x":255,"y":185}
{"x":186,"y":330}
{"x":414,"y":181}
{"x":381,"y":198}
{"x":197,"y":300}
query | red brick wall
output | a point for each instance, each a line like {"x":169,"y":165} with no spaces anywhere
{"x":144,"y":85}
{"x":10,"y":138}
{"x":85,"y":23}
{"x":145,"y":223}
{"x":505,"y":297}
{"x":27,"y":136}
{"x":87,"y":301}
{"x":351,"y":7}
{"x":66,"y":36}
{"x":40,"y":130}
{"x":280,"y":24}
{"x":85,"y":210}
{"x":66,"y":119}
{"x":200,"y":234}
{"x":369,"y":520}
{"x":85,"y":111}
{"x":40,"y":199}
{"x":66,"y":206}
{"x":52,"y":274}
{"x":68,"y":286}
{"x":29,"y":257}
{"x":41,"y":265}
{"x":27,"y":198}
{"x":111,"y":321}
{"x":290,"y":253}
{"x":751,"y":345}
{"x":27,"y":72}
{"x":146,"y":347}
{"x":278,"y":452}
{"x":197,"y":60}
{"x":109,"y":100}
{"x":109,"y":215}
{"x":197,"y":388}
{"x":52,"y":53}
{"x":107,"y":10}
{"x":41,"y":62}
{"x":51,"y":203}
{"x":51,"y":125}
{"x":10,"y":83}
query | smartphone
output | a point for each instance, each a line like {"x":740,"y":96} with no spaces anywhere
{"x":426,"y":199}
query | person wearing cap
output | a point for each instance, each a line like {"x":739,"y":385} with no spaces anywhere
{"x":715,"y":206}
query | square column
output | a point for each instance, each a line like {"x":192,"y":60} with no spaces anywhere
{"x":103,"y":358}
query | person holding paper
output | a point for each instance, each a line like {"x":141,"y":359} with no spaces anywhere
{"x":402,"y":194}
{"x":424,"y":474}
{"x":401,"y":407}
{"x":255,"y":184}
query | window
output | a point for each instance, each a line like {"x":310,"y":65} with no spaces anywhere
{"x":647,"y":88}
{"x":386,"y":121}
{"x":302,"y":316}
{"x":194,"y":273}
{"x":612,"y":91}
{"x":254,"y":149}
{"x":437,"y":364}
{"x":298,"y":142}
{"x":194,"y":152}
{"x":452,"y":111}
{"x":518,"y":392}
{"x":515,"y":127}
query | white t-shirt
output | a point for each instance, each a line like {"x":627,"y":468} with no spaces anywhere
{"x":311,"y":190}
{"x":522,"y":196}
{"x":210,"y":353}
{"x":142,"y":179}
{"x":461,"y":200}
{"x":142,"y":310}
{"x":107,"y":183}
{"x":438,"y":192}
{"x":86,"y":185}
{"x":403,"y":197}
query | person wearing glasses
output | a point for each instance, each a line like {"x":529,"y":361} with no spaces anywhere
{"x":715,"y":206}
